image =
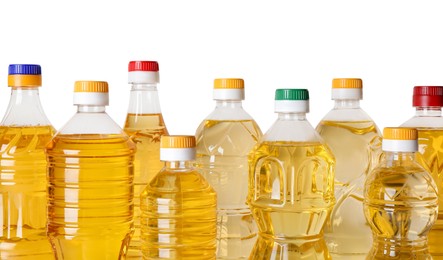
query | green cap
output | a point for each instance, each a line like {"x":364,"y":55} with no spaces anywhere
{"x":291,"y":94}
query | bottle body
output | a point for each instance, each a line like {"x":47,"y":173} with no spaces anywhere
{"x":401,"y":205}
{"x":355,"y":142}
{"x":178,"y":215}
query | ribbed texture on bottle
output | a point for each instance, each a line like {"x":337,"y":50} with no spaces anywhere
{"x":229,"y":83}
{"x":291,"y":94}
{"x":347,"y":83}
{"x":177,"y":141}
{"x":91,"y":86}
{"x":400,"y":133}
{"x":143,"y":66}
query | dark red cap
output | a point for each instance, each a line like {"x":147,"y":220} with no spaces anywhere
{"x":427,"y":96}
{"x":143,"y":66}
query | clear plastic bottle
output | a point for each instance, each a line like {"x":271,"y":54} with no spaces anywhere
{"x":145,"y":125}
{"x":90,"y":171}
{"x":400,"y":200}
{"x":291,"y":184}
{"x":24,"y":133}
{"x":224,"y":140}
{"x":178,"y":207}
{"x":428,"y":120}
{"x":355,"y":141}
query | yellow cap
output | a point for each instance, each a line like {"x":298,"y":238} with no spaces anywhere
{"x":91,"y":86}
{"x":400,"y":133}
{"x":347,"y":83}
{"x":229,"y":83}
{"x":177,"y":141}
{"x":20,"y":80}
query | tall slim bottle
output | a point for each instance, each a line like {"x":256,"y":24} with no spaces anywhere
{"x":291,"y":184}
{"x":224,"y":140}
{"x":178,"y":207}
{"x":355,"y":141}
{"x":400,"y":200}
{"x":428,"y":120}
{"x":145,"y":125}
{"x":24,"y":132}
{"x":90,"y":171}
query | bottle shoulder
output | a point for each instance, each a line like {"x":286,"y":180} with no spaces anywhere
{"x":349,"y":114}
{"x":293,"y":131}
{"x":424,"y":121}
{"x":229,"y":113}
{"x":91,"y":123}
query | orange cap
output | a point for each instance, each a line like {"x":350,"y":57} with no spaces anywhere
{"x":91,"y":86}
{"x":177,"y":141}
{"x":400,"y":133}
{"x":229,"y":83}
{"x":347,"y":83}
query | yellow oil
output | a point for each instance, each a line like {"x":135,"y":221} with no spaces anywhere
{"x":145,"y":131}
{"x":90,"y":207}
{"x":291,"y":194}
{"x":222,"y":158}
{"x":178,"y":216}
{"x":356,"y":146}
{"x":23,"y":192}
{"x":401,"y":204}
{"x":430,"y":156}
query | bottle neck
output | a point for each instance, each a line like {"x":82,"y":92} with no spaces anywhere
{"x":346,"y":104}
{"x":228,"y":104}
{"x":292,"y":116}
{"x":25,"y":108}
{"x":178,"y":165}
{"x":144,"y":99}
{"x":399,"y":158}
{"x":91,"y":109}
{"x":428,"y":111}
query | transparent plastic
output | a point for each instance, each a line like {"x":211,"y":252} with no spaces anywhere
{"x":401,"y":205}
{"x":355,"y":141}
{"x":145,"y":125}
{"x":291,"y":190}
{"x":429,"y":123}
{"x":224,"y":140}
{"x":178,"y":218}
{"x":90,"y":171}
{"x":24,"y":133}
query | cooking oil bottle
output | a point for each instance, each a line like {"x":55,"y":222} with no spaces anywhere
{"x":224,"y":140}
{"x":355,"y":141}
{"x":178,"y":207}
{"x":291,"y":184}
{"x":90,"y":170}
{"x":400,"y":200}
{"x":428,"y":120}
{"x":145,"y":125}
{"x":24,"y":132}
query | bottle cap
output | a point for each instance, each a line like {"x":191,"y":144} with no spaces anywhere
{"x":347,"y":88}
{"x":177,"y":148}
{"x":291,"y":101}
{"x":91,"y":93}
{"x":400,"y":139}
{"x":24,"y":75}
{"x":229,"y":89}
{"x":143,"y":72}
{"x":427,"y":96}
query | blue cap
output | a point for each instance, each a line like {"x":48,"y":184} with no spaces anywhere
{"x":24,"y":69}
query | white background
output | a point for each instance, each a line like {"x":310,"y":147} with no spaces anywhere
{"x":391,"y":45}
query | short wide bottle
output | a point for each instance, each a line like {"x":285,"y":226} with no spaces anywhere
{"x":90,"y":168}
{"x":178,"y":207}
{"x":400,"y":200}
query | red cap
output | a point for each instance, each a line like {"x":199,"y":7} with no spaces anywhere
{"x":427,"y":96}
{"x":143,"y":66}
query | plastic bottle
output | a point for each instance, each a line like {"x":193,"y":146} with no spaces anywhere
{"x":400,"y":200}
{"x":90,"y":168}
{"x":224,"y":140}
{"x":178,"y":207}
{"x":428,"y":120}
{"x":355,"y":142}
{"x":291,"y":184}
{"x":145,"y":125}
{"x":24,"y":132}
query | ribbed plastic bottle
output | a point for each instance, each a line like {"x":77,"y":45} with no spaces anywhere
{"x":428,"y":119}
{"x":145,"y":125}
{"x":90,"y":171}
{"x":24,"y":132}
{"x":178,"y":207}
{"x":400,"y":200}
{"x":291,"y":184}
{"x":224,"y":140}
{"x":355,"y":141}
